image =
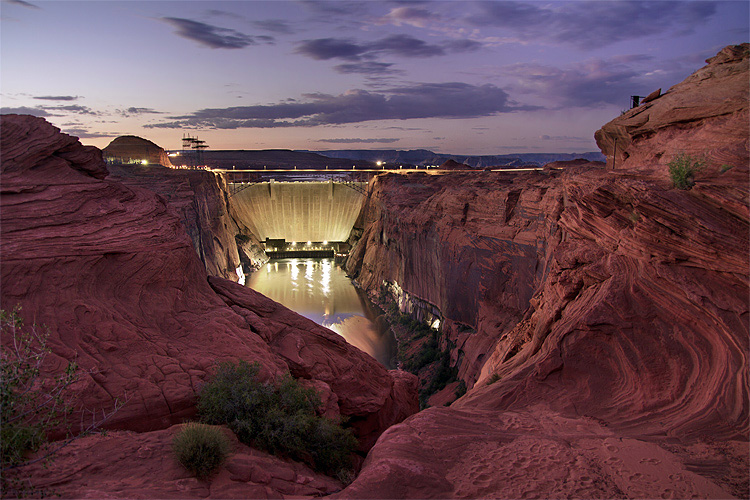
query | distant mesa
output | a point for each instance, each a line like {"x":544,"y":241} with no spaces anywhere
{"x":131,"y":149}
{"x":454,"y":165}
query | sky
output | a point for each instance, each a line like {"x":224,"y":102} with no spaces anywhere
{"x":459,"y":77}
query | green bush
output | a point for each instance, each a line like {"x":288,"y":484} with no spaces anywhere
{"x":200,"y":448}
{"x":277,"y":417}
{"x":32,"y":403}
{"x":682,"y":170}
{"x":461,"y":389}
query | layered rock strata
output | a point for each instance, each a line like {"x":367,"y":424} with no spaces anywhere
{"x":698,"y":116}
{"x":200,"y":198}
{"x":124,"y":464}
{"x":109,"y":269}
{"x":611,"y":346}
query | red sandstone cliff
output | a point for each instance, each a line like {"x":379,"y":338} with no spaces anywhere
{"x":611,"y":346}
{"x":109,"y":269}
{"x":199,"y":197}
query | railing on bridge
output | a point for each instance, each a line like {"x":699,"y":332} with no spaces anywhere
{"x":241,"y":180}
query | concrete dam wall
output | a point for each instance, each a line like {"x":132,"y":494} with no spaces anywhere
{"x":299,"y":211}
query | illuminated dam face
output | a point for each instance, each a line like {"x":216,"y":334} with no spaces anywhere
{"x":299,"y":211}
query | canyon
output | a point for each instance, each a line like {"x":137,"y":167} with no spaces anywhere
{"x":597,"y":316}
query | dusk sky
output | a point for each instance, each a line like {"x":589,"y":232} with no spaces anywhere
{"x":460,"y":77}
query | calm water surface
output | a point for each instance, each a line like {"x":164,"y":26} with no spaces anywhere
{"x":319,"y":290}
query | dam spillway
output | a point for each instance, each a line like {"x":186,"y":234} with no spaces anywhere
{"x":300,"y":211}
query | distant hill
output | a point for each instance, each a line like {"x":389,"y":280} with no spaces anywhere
{"x":276,"y":158}
{"x":426,"y":157}
{"x":366,"y":159}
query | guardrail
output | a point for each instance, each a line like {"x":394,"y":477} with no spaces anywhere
{"x":242,"y":180}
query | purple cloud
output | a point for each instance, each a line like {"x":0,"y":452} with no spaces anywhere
{"x":593,"y":23}
{"x":57,"y":97}
{"x":398,"y":45}
{"x":425,"y":100}
{"x":213,"y":36}
{"x":359,"y":141}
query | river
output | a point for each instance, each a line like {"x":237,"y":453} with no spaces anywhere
{"x":319,"y":290}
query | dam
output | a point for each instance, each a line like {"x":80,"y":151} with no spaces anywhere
{"x":297,"y":211}
{"x":302,"y":220}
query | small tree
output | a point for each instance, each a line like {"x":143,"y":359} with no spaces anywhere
{"x":682,"y":170}
{"x":31,"y":405}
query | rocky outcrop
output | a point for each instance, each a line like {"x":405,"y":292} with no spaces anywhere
{"x":131,"y":149}
{"x":125,"y":464}
{"x":472,"y":244}
{"x":611,"y":310}
{"x":109,"y":269}
{"x":365,"y":391}
{"x":706,"y":115}
{"x":200,"y":199}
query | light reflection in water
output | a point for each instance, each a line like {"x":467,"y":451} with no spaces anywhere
{"x":325,"y":295}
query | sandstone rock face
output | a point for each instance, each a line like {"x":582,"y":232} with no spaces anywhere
{"x":611,"y":317}
{"x":109,"y":269}
{"x":133,"y":149}
{"x":705,"y":115}
{"x":474,"y":244}
{"x":125,"y":464}
{"x":199,"y":197}
{"x":535,"y":453}
{"x":365,"y":391}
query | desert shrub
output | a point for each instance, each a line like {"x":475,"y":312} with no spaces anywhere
{"x":494,"y":378}
{"x":725,"y":167}
{"x":27,"y":410}
{"x":461,"y":389}
{"x":32,"y":404}
{"x":242,"y":238}
{"x":277,"y":417}
{"x":682,"y":170}
{"x":200,"y":448}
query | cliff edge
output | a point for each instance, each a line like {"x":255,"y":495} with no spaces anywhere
{"x":599,"y":318}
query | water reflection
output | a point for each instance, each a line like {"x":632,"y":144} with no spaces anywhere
{"x":319,"y":290}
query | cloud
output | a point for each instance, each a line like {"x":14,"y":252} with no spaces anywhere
{"x":139,"y":111}
{"x":592,"y":83}
{"x":22,"y":3}
{"x":412,"y":16}
{"x":366,"y":67}
{"x":213,"y":36}
{"x":406,"y":46}
{"x":594,"y":23}
{"x":71,"y":108}
{"x":57,"y":97}
{"x":424,"y":100}
{"x":359,"y":141}
{"x":337,"y":8}
{"x":83,"y":133}
{"x":398,"y":45}
{"x":546,"y":137}
{"x":23,"y":110}
{"x":274,"y":26}
{"x":331,"y":48}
